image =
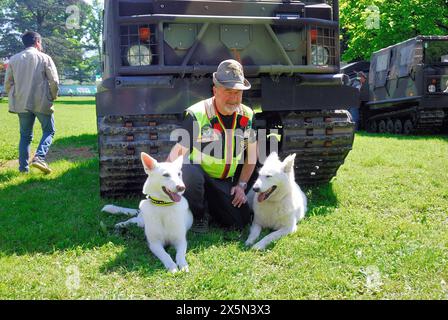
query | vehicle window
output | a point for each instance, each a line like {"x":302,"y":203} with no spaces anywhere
{"x":382,"y":62}
{"x":406,"y":59}
{"x":436,"y":51}
{"x":382,"y":66}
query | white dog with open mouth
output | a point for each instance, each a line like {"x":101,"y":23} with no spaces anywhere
{"x":278,"y":203}
{"x":165,"y":215}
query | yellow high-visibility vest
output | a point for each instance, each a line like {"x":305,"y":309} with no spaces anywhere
{"x":211,"y":124}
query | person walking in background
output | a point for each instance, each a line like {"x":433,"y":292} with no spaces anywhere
{"x":32,"y":84}
{"x":360,"y":80}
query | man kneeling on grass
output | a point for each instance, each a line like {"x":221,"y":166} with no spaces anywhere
{"x":31,"y":83}
{"x":215,"y":176}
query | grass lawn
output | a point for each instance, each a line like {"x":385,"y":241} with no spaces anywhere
{"x":378,"y":231}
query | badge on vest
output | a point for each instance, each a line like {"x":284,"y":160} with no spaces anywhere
{"x":243,"y":140}
{"x":208,"y":134}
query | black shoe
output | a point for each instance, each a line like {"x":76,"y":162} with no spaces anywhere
{"x":200,"y":226}
{"x":41,"y":165}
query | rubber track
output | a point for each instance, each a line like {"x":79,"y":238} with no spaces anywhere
{"x":321,"y":139}
{"x":426,"y":121}
{"x":122,"y":139}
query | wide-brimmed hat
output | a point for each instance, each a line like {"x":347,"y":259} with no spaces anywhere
{"x":230,"y":75}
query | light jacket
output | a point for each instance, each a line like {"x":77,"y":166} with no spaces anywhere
{"x":31,"y":82}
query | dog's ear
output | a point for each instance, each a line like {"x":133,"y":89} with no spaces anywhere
{"x":179,"y":162}
{"x":149,"y":163}
{"x":288,"y":164}
{"x":272,"y":157}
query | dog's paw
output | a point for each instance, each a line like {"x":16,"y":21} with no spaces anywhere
{"x":248,"y":243}
{"x":110,"y":209}
{"x":120,"y":226}
{"x":185,"y":269}
{"x":173,"y":270}
{"x":259,"y":247}
{"x":183,"y":265}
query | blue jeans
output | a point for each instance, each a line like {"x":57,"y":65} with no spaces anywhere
{"x":26,"y":121}
{"x":354,"y":111}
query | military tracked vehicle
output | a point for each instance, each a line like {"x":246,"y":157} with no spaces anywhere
{"x":159,"y":58}
{"x":408,"y":87}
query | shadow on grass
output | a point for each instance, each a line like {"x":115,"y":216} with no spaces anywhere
{"x":321,"y":200}
{"x":137,"y":257}
{"x":56,"y":212}
{"x":46,"y":215}
{"x":8,"y":175}
{"x":74,"y":148}
{"x":87,"y":140}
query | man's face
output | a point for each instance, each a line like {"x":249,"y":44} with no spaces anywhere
{"x":39,"y":45}
{"x":227,"y":100}
{"x":362,"y":78}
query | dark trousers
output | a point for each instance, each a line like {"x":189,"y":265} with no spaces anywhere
{"x":202,"y":188}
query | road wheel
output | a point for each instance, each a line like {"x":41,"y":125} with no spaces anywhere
{"x":382,"y":126}
{"x":390,"y":126}
{"x":373,"y":126}
{"x":398,"y":127}
{"x":408,"y":127}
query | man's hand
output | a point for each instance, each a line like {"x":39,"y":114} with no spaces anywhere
{"x":240,"y":196}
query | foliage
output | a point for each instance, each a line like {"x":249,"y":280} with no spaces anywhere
{"x":398,"y":21}
{"x":93,"y":26}
{"x":64,"y":39}
{"x":85,"y":70}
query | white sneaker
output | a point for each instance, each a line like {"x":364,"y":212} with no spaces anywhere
{"x":41,"y":165}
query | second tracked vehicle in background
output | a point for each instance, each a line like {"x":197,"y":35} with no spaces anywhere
{"x":407,"y":88}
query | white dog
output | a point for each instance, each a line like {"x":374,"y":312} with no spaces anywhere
{"x":165,"y":216}
{"x":278,"y":203}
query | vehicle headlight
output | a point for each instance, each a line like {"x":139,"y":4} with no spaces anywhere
{"x":320,"y":55}
{"x":431,"y":88}
{"x":139,"y":55}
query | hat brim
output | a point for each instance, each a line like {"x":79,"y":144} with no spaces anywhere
{"x":232,"y":84}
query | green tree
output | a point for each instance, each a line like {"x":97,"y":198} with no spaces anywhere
{"x":93,"y":26}
{"x":398,"y":21}
{"x":2,"y":74}
{"x":69,"y":28}
{"x":85,"y":70}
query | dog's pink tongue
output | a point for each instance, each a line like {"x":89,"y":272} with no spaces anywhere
{"x":261,"y":197}
{"x":176,"y":197}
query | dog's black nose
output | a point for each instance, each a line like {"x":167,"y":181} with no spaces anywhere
{"x":256,"y":189}
{"x":180,"y":189}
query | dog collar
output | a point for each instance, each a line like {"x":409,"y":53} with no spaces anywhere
{"x":160,"y":203}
